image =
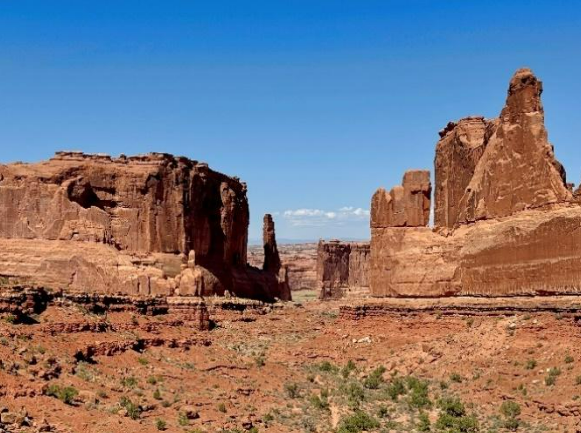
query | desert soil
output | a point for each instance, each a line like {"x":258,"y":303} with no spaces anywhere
{"x":298,"y":367}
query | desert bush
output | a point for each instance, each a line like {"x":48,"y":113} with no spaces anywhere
{"x":348,"y":369}
{"x":327,"y":367}
{"x":319,"y":402}
{"x":222,"y":407}
{"x":531,"y":364}
{"x":358,"y":422}
{"x":133,"y":409}
{"x":354,"y":393}
{"x":65,"y":394}
{"x":453,"y":418}
{"x":455,"y":377}
{"x":129,"y":382}
{"x":375,"y":379}
{"x":423,"y":424}
{"x":160,"y":424}
{"x":418,"y":395}
{"x":569,"y":359}
{"x":510,"y":410}
{"x":396,"y":388}
{"x":551,"y":378}
{"x":291,"y":389}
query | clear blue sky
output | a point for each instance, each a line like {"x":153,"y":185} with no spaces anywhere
{"x":313,"y":103}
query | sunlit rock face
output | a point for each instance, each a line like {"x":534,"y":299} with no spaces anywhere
{"x":505,"y":220}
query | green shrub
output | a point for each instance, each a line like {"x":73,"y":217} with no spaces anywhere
{"x":291,"y":389}
{"x":160,"y":424}
{"x":354,"y":392}
{"x":222,"y":407}
{"x":383,"y":411}
{"x":142,"y":361}
{"x":569,"y":359}
{"x":327,"y":367}
{"x":396,"y":388}
{"x":133,"y":409}
{"x":452,"y":406}
{"x":157,"y":394}
{"x":423,"y":424}
{"x":455,"y":377}
{"x":129,"y":382}
{"x":358,"y":422}
{"x":531,"y":364}
{"x":375,"y":379}
{"x":183,"y":419}
{"x":320,"y":403}
{"x":551,"y":378}
{"x":65,"y":394}
{"x":453,"y":418}
{"x":510,"y":409}
{"x":348,"y":369}
{"x":418,"y":395}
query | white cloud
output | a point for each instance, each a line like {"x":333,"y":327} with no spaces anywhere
{"x":319,"y":217}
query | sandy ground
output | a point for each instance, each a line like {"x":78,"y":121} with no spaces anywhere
{"x":300,"y":367}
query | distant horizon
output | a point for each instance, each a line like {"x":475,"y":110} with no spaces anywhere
{"x":314,"y":105}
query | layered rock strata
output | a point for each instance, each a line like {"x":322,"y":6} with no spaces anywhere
{"x":506,"y":222}
{"x":342,"y":267}
{"x":149,"y":225}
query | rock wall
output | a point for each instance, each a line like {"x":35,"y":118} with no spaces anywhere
{"x":506,"y":222}
{"x":341,"y":267}
{"x":406,"y":205}
{"x":152,"y":224}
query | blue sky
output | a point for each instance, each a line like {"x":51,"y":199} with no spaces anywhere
{"x":313,"y":103}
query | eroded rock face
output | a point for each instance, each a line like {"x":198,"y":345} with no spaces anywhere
{"x":460,"y":148}
{"x":271,"y":258}
{"x":506,"y":222}
{"x":93,"y":223}
{"x":148,"y":204}
{"x":406,"y":205}
{"x":518,"y":169}
{"x":341,"y":266}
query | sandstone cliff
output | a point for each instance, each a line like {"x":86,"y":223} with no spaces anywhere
{"x":406,"y":205}
{"x":151,"y":224}
{"x":506,"y":222}
{"x":342,"y":267}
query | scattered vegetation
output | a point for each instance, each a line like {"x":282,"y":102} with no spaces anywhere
{"x":65,"y":394}
{"x":160,"y":424}
{"x":133,"y":409}
{"x":510,"y":410}
{"x":551,"y":378}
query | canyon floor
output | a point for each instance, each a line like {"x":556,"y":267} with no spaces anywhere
{"x":295,"y":367}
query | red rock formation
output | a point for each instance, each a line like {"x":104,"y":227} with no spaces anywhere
{"x":299,"y":259}
{"x":460,"y":148}
{"x":511,"y":224}
{"x":95,"y":223}
{"x":341,"y":266}
{"x":404,"y":206}
{"x":271,"y":257}
{"x":518,"y":169}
